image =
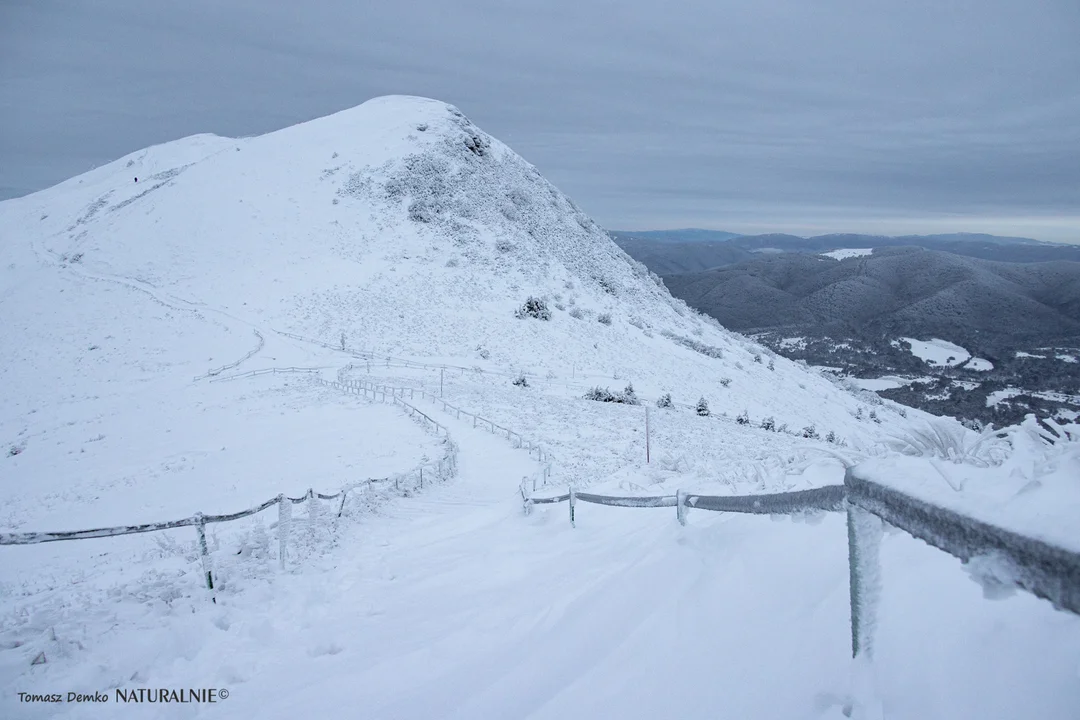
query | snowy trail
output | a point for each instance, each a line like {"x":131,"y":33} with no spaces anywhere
{"x":452,"y":604}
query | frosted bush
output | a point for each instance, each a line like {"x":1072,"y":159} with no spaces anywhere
{"x":535,"y":308}
{"x":949,"y":440}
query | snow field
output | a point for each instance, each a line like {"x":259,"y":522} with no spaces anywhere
{"x":405,"y":227}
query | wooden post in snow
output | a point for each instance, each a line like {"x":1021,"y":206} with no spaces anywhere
{"x":646,"y":434}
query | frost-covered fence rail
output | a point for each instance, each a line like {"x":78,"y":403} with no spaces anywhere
{"x":269,"y":371}
{"x":445,"y":467}
{"x":1044,"y":570}
{"x":396,"y":394}
{"x":235,"y":364}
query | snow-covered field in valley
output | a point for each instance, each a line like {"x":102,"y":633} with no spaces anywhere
{"x":396,"y":244}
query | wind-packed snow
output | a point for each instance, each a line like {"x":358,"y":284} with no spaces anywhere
{"x":938,"y":352}
{"x":400,"y":229}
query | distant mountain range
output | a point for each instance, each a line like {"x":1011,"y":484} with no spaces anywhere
{"x":679,"y":251}
{"x":895,"y":291}
{"x":851,"y":315}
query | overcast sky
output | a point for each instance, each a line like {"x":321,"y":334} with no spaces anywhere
{"x":804,"y":116}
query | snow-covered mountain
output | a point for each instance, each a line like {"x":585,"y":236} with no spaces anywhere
{"x":398,"y":228}
{"x":404,"y":226}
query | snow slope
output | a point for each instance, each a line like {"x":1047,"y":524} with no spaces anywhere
{"x":399,"y":228}
{"x":419,"y":242}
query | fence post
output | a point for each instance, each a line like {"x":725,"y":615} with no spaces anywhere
{"x":421,"y":478}
{"x":313,"y":509}
{"x":646,"y":434}
{"x":342,"y":506}
{"x":527,"y":500}
{"x":205,"y":552}
{"x":864,"y":545}
{"x":441,"y":370}
{"x":573,"y":502}
{"x":284,"y":514}
{"x":680,"y":506}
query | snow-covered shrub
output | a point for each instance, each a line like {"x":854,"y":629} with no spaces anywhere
{"x":810,"y":432}
{"x":874,"y":417}
{"x":949,"y":440}
{"x":743,"y":418}
{"x":626,"y":397}
{"x":600,"y":394}
{"x":725,"y":382}
{"x":830,"y":437}
{"x":533,"y":307}
{"x":604,"y":318}
{"x":665,"y":401}
{"x":702,"y":407}
{"x":560,"y":307}
{"x":696,"y":346}
{"x":452,"y":262}
{"x":483,"y":352}
{"x":575,"y":312}
{"x":768,"y":423}
{"x":757,"y":358}
{"x":521,"y":381}
{"x":772,"y":364}
{"x":15,"y":450}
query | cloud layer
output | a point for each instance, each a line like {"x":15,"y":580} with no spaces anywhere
{"x":862,"y":115}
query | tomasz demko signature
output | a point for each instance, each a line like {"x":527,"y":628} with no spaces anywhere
{"x":136,"y":695}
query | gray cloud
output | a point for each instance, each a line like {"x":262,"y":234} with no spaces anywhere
{"x":865,"y":115}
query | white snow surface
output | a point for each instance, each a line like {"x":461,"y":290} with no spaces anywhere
{"x":938,"y":352}
{"x":407,"y":229}
{"x":844,"y":253}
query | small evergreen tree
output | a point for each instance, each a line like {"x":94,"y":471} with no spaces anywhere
{"x":768,"y":423}
{"x":629,"y":396}
{"x":665,"y":401}
{"x":810,"y":432}
{"x":702,"y":407}
{"x":743,"y":418}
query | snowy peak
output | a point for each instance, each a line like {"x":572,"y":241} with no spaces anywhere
{"x":406,"y":229}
